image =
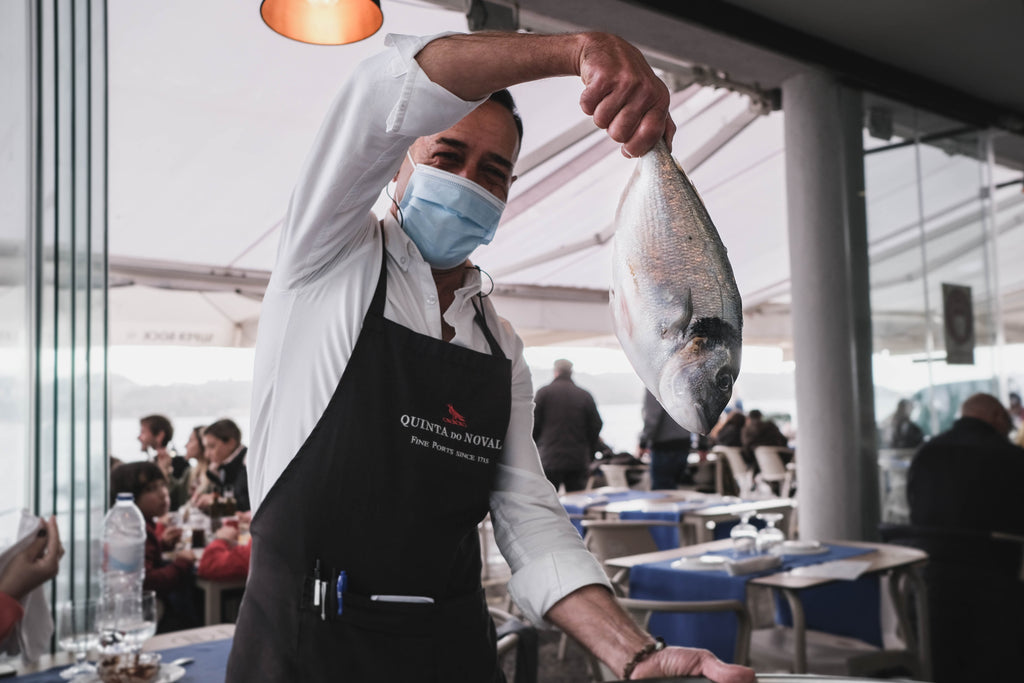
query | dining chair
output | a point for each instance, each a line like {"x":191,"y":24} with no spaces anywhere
{"x":642,"y":610}
{"x":615,"y":475}
{"x":607,"y":538}
{"x":742,"y":473}
{"x":518,"y":637}
{"x":775,"y":472}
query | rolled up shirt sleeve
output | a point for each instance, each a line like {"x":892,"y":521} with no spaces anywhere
{"x":532,"y":530}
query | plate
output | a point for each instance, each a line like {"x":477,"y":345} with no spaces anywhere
{"x":169,"y":673}
{"x":700,"y":562}
{"x":803,"y":548}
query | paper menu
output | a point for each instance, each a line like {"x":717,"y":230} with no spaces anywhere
{"x":847,"y":570}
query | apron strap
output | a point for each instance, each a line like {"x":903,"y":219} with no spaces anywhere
{"x":482,"y":322}
{"x":380,"y":294}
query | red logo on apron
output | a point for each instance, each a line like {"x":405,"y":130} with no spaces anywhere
{"x":454,"y":418}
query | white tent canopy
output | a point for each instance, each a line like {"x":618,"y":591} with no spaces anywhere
{"x":206,"y":142}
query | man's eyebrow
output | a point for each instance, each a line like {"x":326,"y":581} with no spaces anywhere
{"x":460,"y":145}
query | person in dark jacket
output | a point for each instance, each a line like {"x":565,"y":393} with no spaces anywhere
{"x":566,"y":427}
{"x":759,"y":431}
{"x":965,"y":480}
{"x":226,"y":474}
{"x":668,"y":445}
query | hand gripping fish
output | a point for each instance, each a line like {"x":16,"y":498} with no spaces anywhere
{"x":675,"y":306}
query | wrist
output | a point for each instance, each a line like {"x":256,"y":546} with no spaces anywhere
{"x":642,"y":655}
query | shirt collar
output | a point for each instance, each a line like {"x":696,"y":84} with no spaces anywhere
{"x":404,"y":253}
{"x":217,"y":468}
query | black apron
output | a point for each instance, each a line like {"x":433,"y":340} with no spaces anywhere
{"x":389,"y":488}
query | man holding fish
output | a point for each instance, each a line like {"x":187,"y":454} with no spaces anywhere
{"x":393,"y":407}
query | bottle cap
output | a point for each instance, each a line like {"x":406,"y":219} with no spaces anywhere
{"x":126,"y":496}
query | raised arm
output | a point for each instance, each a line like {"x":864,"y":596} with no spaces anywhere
{"x":622,"y":93}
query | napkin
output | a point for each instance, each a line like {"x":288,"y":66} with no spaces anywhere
{"x":31,"y":636}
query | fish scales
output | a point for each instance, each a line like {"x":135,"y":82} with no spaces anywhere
{"x":675,"y":306}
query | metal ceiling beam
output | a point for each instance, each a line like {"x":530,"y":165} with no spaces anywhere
{"x":573,"y":168}
{"x":124,"y":271}
{"x":590,"y":156}
{"x":854,"y":68}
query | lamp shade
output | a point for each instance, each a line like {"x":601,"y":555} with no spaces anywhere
{"x":323,"y":22}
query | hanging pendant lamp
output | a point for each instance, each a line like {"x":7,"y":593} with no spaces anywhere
{"x":323,"y":22}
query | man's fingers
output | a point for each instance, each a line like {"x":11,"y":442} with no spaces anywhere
{"x":651,"y":128}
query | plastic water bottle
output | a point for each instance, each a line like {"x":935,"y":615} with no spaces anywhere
{"x":124,"y":550}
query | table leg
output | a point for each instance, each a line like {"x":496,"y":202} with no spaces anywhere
{"x":212,"y":606}
{"x":796,"y":608}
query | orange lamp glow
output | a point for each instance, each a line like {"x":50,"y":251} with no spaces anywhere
{"x":323,"y":22}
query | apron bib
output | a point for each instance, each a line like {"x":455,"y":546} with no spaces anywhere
{"x":389,"y":488}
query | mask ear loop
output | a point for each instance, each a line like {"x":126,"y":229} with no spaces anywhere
{"x":401,"y":218}
{"x":484,"y":272}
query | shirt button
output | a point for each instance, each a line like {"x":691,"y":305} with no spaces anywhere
{"x":402,"y":260}
{"x":431,"y":299}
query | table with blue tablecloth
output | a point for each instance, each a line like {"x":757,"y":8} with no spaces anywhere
{"x":848,"y":608}
{"x":209,"y":656}
{"x":701,"y":519}
{"x":581,"y":503}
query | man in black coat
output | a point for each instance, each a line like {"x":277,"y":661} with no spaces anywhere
{"x":962,"y":485}
{"x":566,"y":427}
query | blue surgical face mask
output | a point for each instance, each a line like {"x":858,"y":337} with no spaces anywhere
{"x":446,"y":215}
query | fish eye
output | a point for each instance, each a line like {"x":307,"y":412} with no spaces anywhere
{"x":724,"y":381}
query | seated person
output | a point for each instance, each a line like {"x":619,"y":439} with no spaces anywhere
{"x":759,"y":431}
{"x":225,"y":473}
{"x":172,"y":579}
{"x":30,"y":568}
{"x":224,"y":558}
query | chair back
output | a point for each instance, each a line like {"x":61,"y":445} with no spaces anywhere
{"x":615,"y":475}
{"x":773,"y":469}
{"x":741,"y":472}
{"x":641,"y":611}
{"x":607,"y":538}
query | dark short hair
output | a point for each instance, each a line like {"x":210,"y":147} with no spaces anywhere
{"x":133,"y":478}
{"x":157,"y":424}
{"x":756,"y":415}
{"x":504,"y":98}
{"x":736,"y":418}
{"x":225,"y":430}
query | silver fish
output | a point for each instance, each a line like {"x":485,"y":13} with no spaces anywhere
{"x":675,"y":306}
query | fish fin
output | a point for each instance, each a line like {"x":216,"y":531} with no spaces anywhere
{"x":683,"y":321}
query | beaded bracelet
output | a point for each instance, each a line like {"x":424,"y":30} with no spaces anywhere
{"x":648,"y":650}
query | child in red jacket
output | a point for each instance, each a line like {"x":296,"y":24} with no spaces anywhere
{"x":224,"y":558}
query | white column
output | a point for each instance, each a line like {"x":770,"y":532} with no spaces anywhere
{"x":837,"y":469}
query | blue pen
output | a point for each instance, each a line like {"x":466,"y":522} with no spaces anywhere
{"x":342,"y":584}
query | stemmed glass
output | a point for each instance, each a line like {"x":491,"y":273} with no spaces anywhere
{"x":770,"y":538}
{"x":126,"y":622}
{"x":77,"y":633}
{"x":744,"y":536}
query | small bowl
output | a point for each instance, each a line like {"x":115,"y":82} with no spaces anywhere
{"x":143,"y":667}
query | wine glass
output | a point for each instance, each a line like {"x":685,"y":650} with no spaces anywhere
{"x":770,"y":538}
{"x":127,"y":621}
{"x":77,"y":633}
{"x":744,"y":536}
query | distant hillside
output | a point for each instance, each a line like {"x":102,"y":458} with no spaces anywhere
{"x":131,"y":400}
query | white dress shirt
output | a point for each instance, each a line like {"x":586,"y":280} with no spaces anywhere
{"x":321,"y":287}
